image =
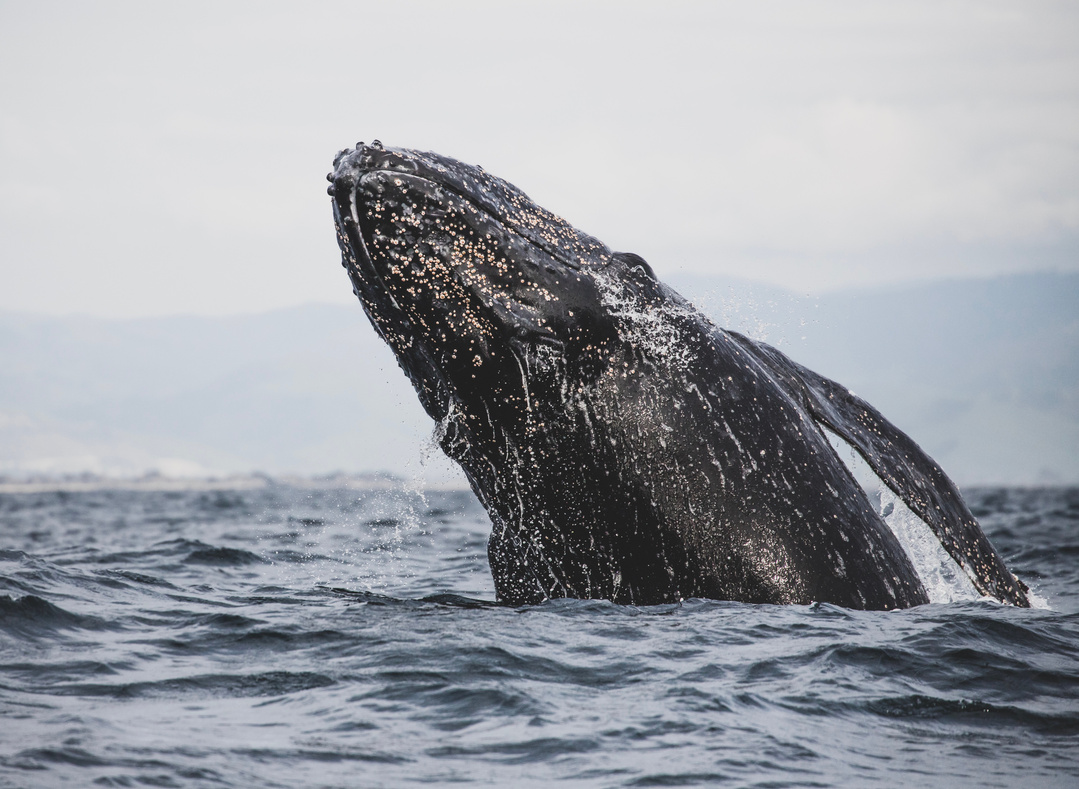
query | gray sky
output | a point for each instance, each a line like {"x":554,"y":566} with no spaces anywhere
{"x":169,"y":158}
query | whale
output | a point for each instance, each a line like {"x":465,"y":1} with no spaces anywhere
{"x":624,"y":446}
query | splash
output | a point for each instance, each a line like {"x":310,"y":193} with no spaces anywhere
{"x":656,"y":331}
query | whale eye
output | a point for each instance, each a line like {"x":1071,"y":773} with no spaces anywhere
{"x":634,"y":261}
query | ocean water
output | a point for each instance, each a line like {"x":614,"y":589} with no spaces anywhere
{"x":301,"y":635}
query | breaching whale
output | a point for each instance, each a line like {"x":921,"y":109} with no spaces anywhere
{"x":624,"y":446}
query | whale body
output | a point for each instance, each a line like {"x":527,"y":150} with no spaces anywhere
{"x":624,"y":446}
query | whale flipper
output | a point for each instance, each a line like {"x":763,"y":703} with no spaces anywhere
{"x":903,"y":466}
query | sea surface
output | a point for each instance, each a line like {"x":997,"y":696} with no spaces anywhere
{"x":301,"y":635}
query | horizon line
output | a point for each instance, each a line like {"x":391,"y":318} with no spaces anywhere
{"x":679,"y":274}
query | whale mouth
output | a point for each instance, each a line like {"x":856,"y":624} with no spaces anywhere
{"x":388,"y":317}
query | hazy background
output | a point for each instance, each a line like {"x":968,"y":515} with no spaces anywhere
{"x":890,"y":191}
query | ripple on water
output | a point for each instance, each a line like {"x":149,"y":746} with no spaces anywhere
{"x":279,"y":637}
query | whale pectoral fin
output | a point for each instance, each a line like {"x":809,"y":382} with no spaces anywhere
{"x":903,"y":466}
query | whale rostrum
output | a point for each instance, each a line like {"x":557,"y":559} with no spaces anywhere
{"x":624,"y":446}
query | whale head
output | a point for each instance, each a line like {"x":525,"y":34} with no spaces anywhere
{"x":465,"y":277}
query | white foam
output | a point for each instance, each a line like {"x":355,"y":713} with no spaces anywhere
{"x":1037,"y":601}
{"x":653,"y":330}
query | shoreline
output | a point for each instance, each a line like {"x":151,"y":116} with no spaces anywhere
{"x":156,"y":483}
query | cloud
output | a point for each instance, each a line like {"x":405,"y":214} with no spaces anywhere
{"x":162,"y":159}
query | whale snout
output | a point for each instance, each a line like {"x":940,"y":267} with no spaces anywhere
{"x":335,"y":173}
{"x":347,"y":167}
{"x":350,"y":164}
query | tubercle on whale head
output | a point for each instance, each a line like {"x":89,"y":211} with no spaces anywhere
{"x":459,"y":270}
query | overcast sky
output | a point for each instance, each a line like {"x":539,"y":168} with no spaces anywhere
{"x":170,"y":158}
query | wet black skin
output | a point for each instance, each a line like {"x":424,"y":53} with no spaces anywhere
{"x":624,"y":446}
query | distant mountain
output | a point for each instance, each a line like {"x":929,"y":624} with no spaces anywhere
{"x":984,"y":374}
{"x":309,"y":390}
